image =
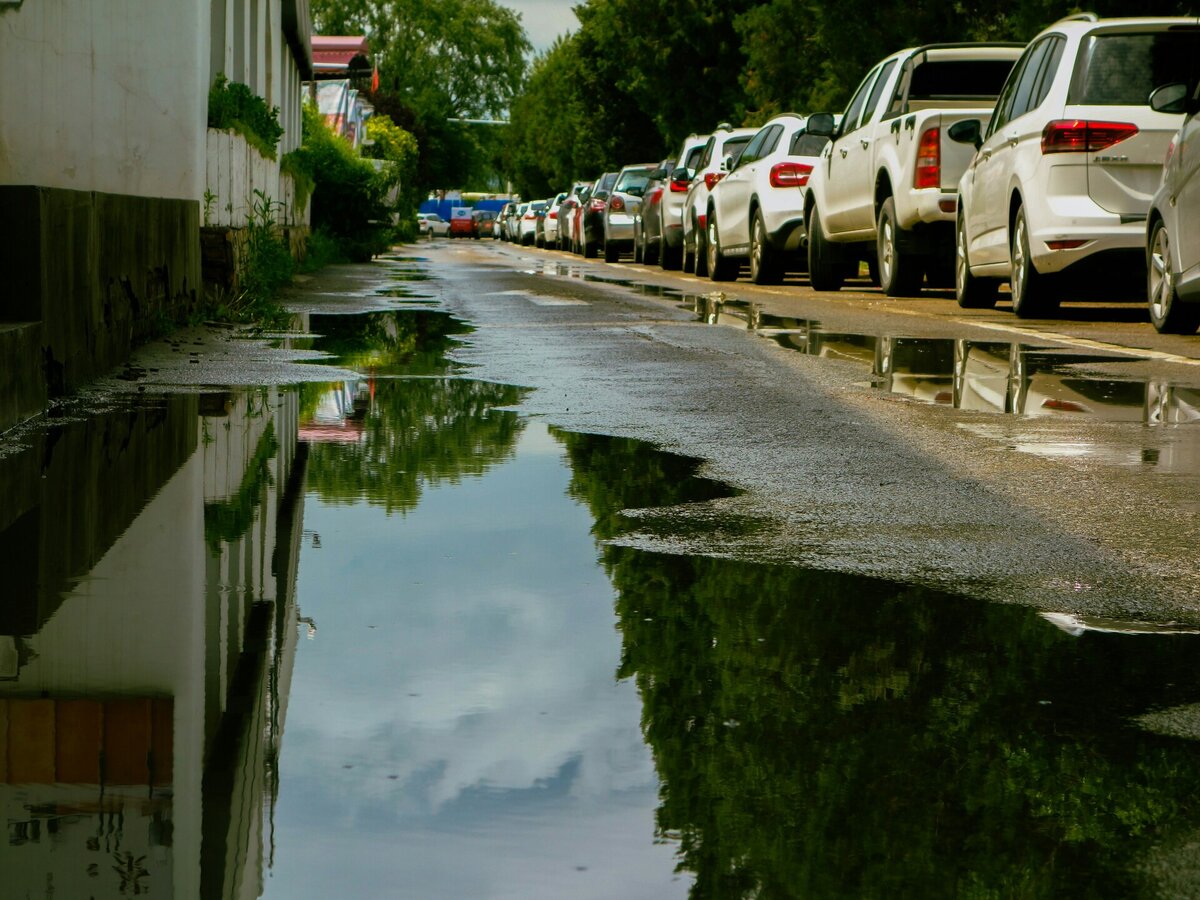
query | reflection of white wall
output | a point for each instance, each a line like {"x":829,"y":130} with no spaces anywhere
{"x":162,"y":616}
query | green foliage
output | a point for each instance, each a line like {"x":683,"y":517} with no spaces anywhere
{"x":824,"y":735}
{"x":322,"y":249}
{"x":399,"y":149}
{"x":452,"y":59}
{"x":349,"y":196}
{"x":232,"y":106}
{"x":292,"y":164}
{"x":225,"y":521}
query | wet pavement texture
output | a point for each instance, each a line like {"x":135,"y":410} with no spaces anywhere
{"x":537,"y":583}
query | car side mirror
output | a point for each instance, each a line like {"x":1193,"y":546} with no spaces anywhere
{"x":727,"y":164}
{"x":821,"y":124}
{"x":1170,"y":98}
{"x":967,"y":131}
{"x":681,"y":174}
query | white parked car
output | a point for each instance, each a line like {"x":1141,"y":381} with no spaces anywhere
{"x":674,"y":199}
{"x":720,"y":150}
{"x":756,"y":212}
{"x":528,"y":222}
{"x":549,"y":233}
{"x":1173,"y":227}
{"x":1058,"y":194}
{"x":432,"y":225}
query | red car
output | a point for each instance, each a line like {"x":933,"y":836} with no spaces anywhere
{"x":462,"y":224}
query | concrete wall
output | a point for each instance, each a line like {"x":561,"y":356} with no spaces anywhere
{"x":235,"y":172}
{"x":108,"y":96}
{"x":100,"y":271}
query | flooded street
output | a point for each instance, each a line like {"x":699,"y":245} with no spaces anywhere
{"x":491,"y":580}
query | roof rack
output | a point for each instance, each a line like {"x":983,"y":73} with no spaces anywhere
{"x":723,"y":126}
{"x":1080,"y":17}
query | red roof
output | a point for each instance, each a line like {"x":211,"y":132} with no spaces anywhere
{"x":339,"y":49}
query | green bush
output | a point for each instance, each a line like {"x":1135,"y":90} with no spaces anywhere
{"x":232,"y":106}
{"x":349,"y":197}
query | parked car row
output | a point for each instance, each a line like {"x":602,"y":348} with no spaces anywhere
{"x":464,"y":222}
{"x":1063,"y":167}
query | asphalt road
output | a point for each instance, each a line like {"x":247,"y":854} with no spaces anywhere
{"x":1083,"y":502}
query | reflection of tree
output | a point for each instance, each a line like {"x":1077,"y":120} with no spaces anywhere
{"x":418,"y":431}
{"x":408,"y":342}
{"x":820,"y":735}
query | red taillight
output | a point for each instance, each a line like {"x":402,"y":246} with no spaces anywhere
{"x":790,"y":174}
{"x":617,"y":204}
{"x":1063,"y":405}
{"x":711,"y":179}
{"x":553,"y":214}
{"x":680,"y":187}
{"x":1064,"y":245}
{"x":929,"y":160}
{"x":597,"y":205}
{"x":530,"y":215}
{"x":1083,"y":136}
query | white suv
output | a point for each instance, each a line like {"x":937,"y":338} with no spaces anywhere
{"x":722,"y":147}
{"x":757,"y":210}
{"x":1058,"y":193}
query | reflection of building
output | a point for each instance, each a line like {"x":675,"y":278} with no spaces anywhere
{"x":339,"y":415}
{"x":150,"y":627}
{"x":341,"y":66}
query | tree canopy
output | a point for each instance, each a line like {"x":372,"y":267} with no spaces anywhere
{"x":637,"y":76}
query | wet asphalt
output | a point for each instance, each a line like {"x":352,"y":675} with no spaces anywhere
{"x":1067,"y":513}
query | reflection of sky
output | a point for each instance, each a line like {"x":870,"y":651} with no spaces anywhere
{"x":464,"y":670}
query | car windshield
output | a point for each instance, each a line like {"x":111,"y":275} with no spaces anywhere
{"x":538,"y":205}
{"x":606,"y":182}
{"x":632,"y":180}
{"x":1122,"y":69}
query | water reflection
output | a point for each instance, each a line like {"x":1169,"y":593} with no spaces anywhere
{"x":826,"y":736}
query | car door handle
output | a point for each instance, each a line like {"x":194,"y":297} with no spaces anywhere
{"x":864,"y":143}
{"x":843,"y":152}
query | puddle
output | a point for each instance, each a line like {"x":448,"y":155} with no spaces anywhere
{"x":327,"y":640}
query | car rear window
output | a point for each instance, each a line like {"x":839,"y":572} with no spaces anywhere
{"x":693,"y":157}
{"x":606,"y":181}
{"x":959,"y":79}
{"x":1122,"y":69}
{"x":634,"y":178}
{"x":735,"y":145}
{"x":805,"y":144}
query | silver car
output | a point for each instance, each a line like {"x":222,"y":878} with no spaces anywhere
{"x":622,"y":208}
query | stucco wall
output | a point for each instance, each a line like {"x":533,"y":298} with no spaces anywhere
{"x":105,"y":96}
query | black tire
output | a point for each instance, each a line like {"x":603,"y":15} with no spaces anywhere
{"x":638,"y":251}
{"x":765,"y":265}
{"x":650,"y":252}
{"x":971,"y":292}
{"x":1031,"y":291}
{"x":670,"y":258}
{"x":900,"y":273}
{"x":590,"y":249}
{"x":826,"y":268}
{"x":612,"y":252}
{"x":700,"y":262}
{"x":720,"y":267}
{"x":1168,"y":314}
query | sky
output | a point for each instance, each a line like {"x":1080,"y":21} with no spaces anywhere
{"x":544,"y":20}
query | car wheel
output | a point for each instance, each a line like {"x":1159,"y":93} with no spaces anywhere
{"x":650,"y":252}
{"x":700,"y":261}
{"x":612,"y":252}
{"x":765,"y":265}
{"x":720,"y":267}
{"x":638,"y":250}
{"x":1167,"y":313}
{"x":900,"y":273}
{"x":670,"y":258}
{"x":590,"y":249}
{"x":1030,"y":289}
{"x":826,"y":271}
{"x":971,"y":292}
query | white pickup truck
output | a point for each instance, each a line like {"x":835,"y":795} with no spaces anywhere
{"x":885,"y":189}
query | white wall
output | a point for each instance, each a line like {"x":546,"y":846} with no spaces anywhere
{"x":107,"y":96}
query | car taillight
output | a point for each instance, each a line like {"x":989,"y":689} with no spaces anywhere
{"x":597,"y":205}
{"x":617,"y":204}
{"x":711,"y":179}
{"x":929,"y":160}
{"x":680,"y":187}
{"x":553,"y":214}
{"x":790,"y":174}
{"x":1083,"y":136}
{"x":530,"y":215}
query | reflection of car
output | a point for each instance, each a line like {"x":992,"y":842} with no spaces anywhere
{"x":482,"y":222}
{"x":757,"y":210}
{"x":461,"y":222}
{"x":621,"y":208}
{"x":1058,"y":193}
{"x":1173,"y":227}
{"x":432,"y":224}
